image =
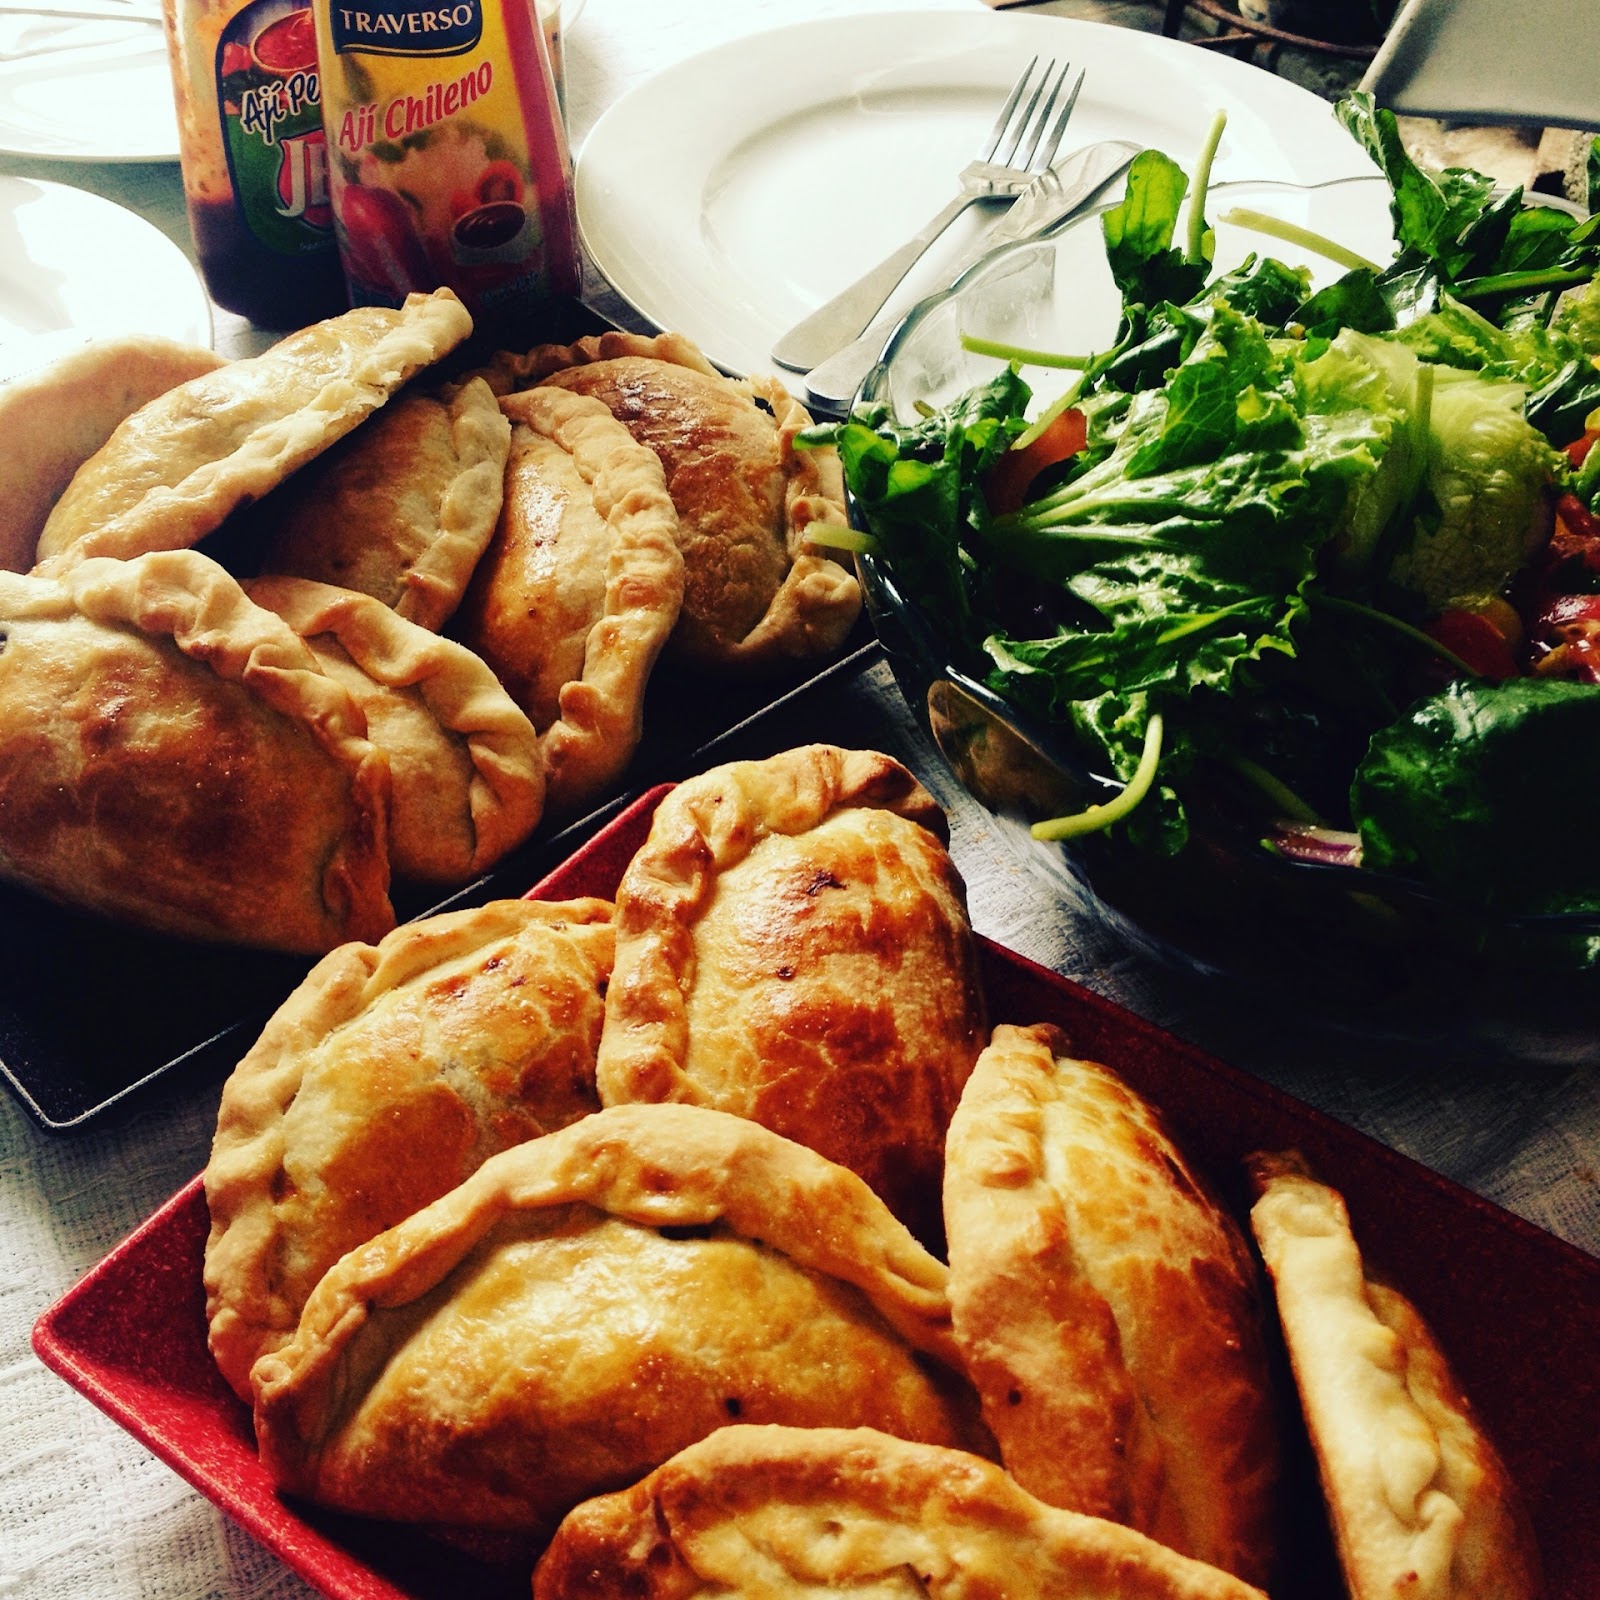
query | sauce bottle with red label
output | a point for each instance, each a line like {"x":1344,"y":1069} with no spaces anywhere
{"x":254,"y":157}
{"x":447,"y":159}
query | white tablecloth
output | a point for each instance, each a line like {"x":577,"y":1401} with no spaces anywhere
{"x":86,"y":1513}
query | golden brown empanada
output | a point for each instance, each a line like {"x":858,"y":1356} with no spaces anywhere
{"x":1107,"y":1306}
{"x":401,"y":509}
{"x":174,"y":469}
{"x":171,"y":754}
{"x":587,"y":1304}
{"x":757,"y":593}
{"x":783,"y":1513}
{"x":1421,"y":1504}
{"x":793,"y":946}
{"x":466,"y":767}
{"x":384,"y":1079}
{"x":53,"y":420}
{"x":579,"y":588}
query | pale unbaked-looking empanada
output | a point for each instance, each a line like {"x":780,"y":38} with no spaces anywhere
{"x":174,"y":469}
{"x":1421,"y":1504}
{"x":466,"y":767}
{"x":1108,"y":1307}
{"x":172,"y":755}
{"x":401,"y":509}
{"x":786,"y":1513}
{"x":793,"y":946}
{"x":757,"y":592}
{"x":579,"y":588}
{"x":54,"y":419}
{"x":389,"y":1075}
{"x":587,"y":1304}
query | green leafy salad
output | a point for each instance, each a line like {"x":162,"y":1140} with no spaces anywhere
{"x":1327,"y":561}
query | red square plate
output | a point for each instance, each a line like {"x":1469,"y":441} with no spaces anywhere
{"x":1518,"y":1310}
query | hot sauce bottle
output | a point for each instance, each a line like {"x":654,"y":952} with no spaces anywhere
{"x":447,"y":158}
{"x":254,"y":161}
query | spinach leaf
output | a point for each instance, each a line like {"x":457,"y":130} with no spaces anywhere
{"x":1145,"y":265}
{"x":1488,"y":793}
{"x":1458,"y":237}
{"x":917,"y":488}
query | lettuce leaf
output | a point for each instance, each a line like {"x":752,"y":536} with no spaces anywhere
{"x":1489,"y":793}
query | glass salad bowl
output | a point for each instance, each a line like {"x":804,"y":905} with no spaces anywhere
{"x":1340,"y":941}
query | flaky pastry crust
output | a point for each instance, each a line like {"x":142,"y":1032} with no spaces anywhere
{"x":588,"y":1303}
{"x":171,"y":754}
{"x":54,"y":419}
{"x":793,"y":946}
{"x":174,"y":469}
{"x":580,"y":587}
{"x":387,"y":1077}
{"x":1421,"y":1504}
{"x":758,"y":593}
{"x":404,"y":507}
{"x":1107,"y":1306}
{"x":466,"y":764}
{"x":780,"y":1513}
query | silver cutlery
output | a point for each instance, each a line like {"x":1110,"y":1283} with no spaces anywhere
{"x":1047,"y":202}
{"x":1020,"y":146}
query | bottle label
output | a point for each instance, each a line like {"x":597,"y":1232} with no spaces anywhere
{"x":447,"y":159}
{"x":269,"y":93}
{"x":393,"y":28}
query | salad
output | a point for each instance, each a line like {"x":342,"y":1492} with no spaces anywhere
{"x":1327,"y":561}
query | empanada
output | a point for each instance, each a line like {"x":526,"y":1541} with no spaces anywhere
{"x":1107,"y":1306}
{"x":580,"y":587}
{"x":466,"y":767}
{"x":384,"y":1079}
{"x":783,"y":1513}
{"x":53,"y":420}
{"x":1421,"y":1504}
{"x":172,"y":471}
{"x":587,"y":1304}
{"x":757,"y":593}
{"x":171,"y":754}
{"x":793,"y":946}
{"x":401,"y":509}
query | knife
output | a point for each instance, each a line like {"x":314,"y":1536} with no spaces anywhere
{"x":1047,"y":202}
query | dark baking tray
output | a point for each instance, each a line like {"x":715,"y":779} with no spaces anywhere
{"x":93,"y":1012}
{"x":1516,"y":1309}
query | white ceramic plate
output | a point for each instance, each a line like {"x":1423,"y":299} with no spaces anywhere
{"x":731,"y":194}
{"x":75,"y":267}
{"x":86,"y":91}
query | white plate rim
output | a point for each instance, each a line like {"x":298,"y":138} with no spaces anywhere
{"x":641,"y":175}
{"x":134,"y":255}
{"x":15,"y":138}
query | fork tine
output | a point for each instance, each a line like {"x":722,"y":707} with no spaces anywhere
{"x":1001,"y":122}
{"x":1008,"y":158}
{"x":1024,"y":158}
{"x":1048,"y":155}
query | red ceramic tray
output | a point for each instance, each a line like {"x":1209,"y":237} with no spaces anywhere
{"x":1518,"y":1310}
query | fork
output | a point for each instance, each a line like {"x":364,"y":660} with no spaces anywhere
{"x":1022,"y":144}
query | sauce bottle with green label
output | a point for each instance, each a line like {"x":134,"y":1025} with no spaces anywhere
{"x":251,"y":144}
{"x":447,"y":159}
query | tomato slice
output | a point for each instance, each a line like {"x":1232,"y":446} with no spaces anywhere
{"x":1006,"y":486}
{"x":1581,"y":522}
{"x":1477,"y":641}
